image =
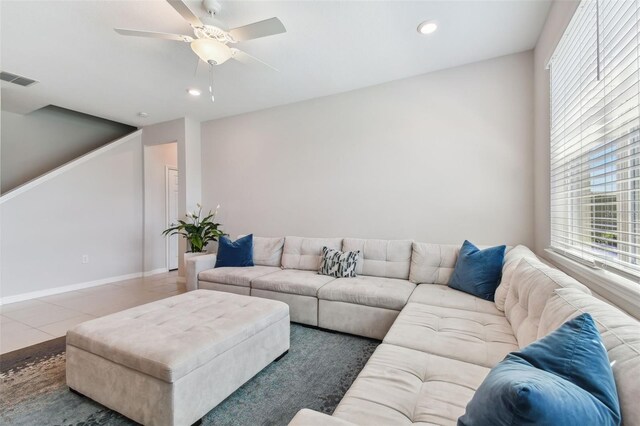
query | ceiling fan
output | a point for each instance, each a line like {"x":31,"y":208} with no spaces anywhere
{"x":211,"y":40}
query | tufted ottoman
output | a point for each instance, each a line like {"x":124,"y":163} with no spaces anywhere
{"x":170,"y":362}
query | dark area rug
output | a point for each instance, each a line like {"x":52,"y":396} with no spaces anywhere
{"x":317,"y":371}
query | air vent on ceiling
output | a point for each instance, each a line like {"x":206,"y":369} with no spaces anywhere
{"x":16,"y":79}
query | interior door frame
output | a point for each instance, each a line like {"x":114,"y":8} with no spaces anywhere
{"x":167,"y":168}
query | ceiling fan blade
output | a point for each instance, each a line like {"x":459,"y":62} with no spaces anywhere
{"x":185,"y":12}
{"x":152,"y":34}
{"x":258,"y":29}
{"x":247,"y":59}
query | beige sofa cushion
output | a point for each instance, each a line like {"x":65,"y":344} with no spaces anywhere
{"x":307,"y":417}
{"x":235,"y":275}
{"x":305,"y":253}
{"x":532,"y":284}
{"x":433,"y":263}
{"x":292,"y":281}
{"x":400,"y":386}
{"x":474,"y":337}
{"x":267,"y":251}
{"x":447,"y":297}
{"x":378,"y":292}
{"x":381,"y":258}
{"x":511,"y":259}
{"x":169,"y":338}
{"x":620,"y":335}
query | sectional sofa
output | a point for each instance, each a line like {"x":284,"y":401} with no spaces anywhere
{"x":438,"y":344}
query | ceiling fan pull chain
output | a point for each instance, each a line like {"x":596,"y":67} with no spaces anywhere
{"x":211,"y":82}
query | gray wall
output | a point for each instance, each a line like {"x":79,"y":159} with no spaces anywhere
{"x":36,"y":143}
{"x":438,"y":158}
{"x":93,"y":208}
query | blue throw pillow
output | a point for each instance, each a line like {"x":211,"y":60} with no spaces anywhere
{"x":478,"y":272}
{"x":562,"y":379}
{"x":235,"y":253}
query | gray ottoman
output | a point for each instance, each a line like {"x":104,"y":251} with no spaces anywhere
{"x":170,"y":362}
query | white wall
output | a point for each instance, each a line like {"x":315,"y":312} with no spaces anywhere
{"x":35,"y":143}
{"x":156,"y":159}
{"x":94,"y":208}
{"x":559,"y":17}
{"x":439,"y":158}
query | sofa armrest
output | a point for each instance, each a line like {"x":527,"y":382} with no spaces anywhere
{"x":195,"y":265}
{"x":306,"y":417}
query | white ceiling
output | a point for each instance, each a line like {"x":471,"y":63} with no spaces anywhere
{"x":329,"y":47}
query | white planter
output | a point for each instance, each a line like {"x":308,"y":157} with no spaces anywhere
{"x":190,"y":255}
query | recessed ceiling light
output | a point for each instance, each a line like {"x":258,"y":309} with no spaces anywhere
{"x":193,"y":92}
{"x":143,"y":115}
{"x":427,"y":27}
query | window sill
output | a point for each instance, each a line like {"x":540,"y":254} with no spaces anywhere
{"x":623,"y":293}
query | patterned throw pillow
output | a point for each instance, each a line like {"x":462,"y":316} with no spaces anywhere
{"x":336,"y":263}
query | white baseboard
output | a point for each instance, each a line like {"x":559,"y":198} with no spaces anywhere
{"x":56,"y":290}
{"x":155,"y":272}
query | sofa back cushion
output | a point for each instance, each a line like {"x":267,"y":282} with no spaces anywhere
{"x":620,"y":335}
{"x":267,"y":251}
{"x":532,"y":284}
{"x":511,"y":260}
{"x":305,"y":253}
{"x":381,"y":258}
{"x":433,"y":263}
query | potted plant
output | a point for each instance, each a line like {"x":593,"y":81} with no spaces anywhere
{"x":196,"y":230}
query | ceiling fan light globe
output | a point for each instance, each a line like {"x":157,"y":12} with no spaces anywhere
{"x":211,"y":50}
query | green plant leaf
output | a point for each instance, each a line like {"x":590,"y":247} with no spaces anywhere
{"x":198,"y":232}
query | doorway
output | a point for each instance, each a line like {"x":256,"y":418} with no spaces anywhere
{"x":172,"y":216}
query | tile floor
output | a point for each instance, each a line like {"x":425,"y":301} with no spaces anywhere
{"x":33,"y":321}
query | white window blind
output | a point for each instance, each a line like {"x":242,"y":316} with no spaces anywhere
{"x":595,"y":137}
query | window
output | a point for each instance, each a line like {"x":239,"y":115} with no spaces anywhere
{"x":595,"y":137}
